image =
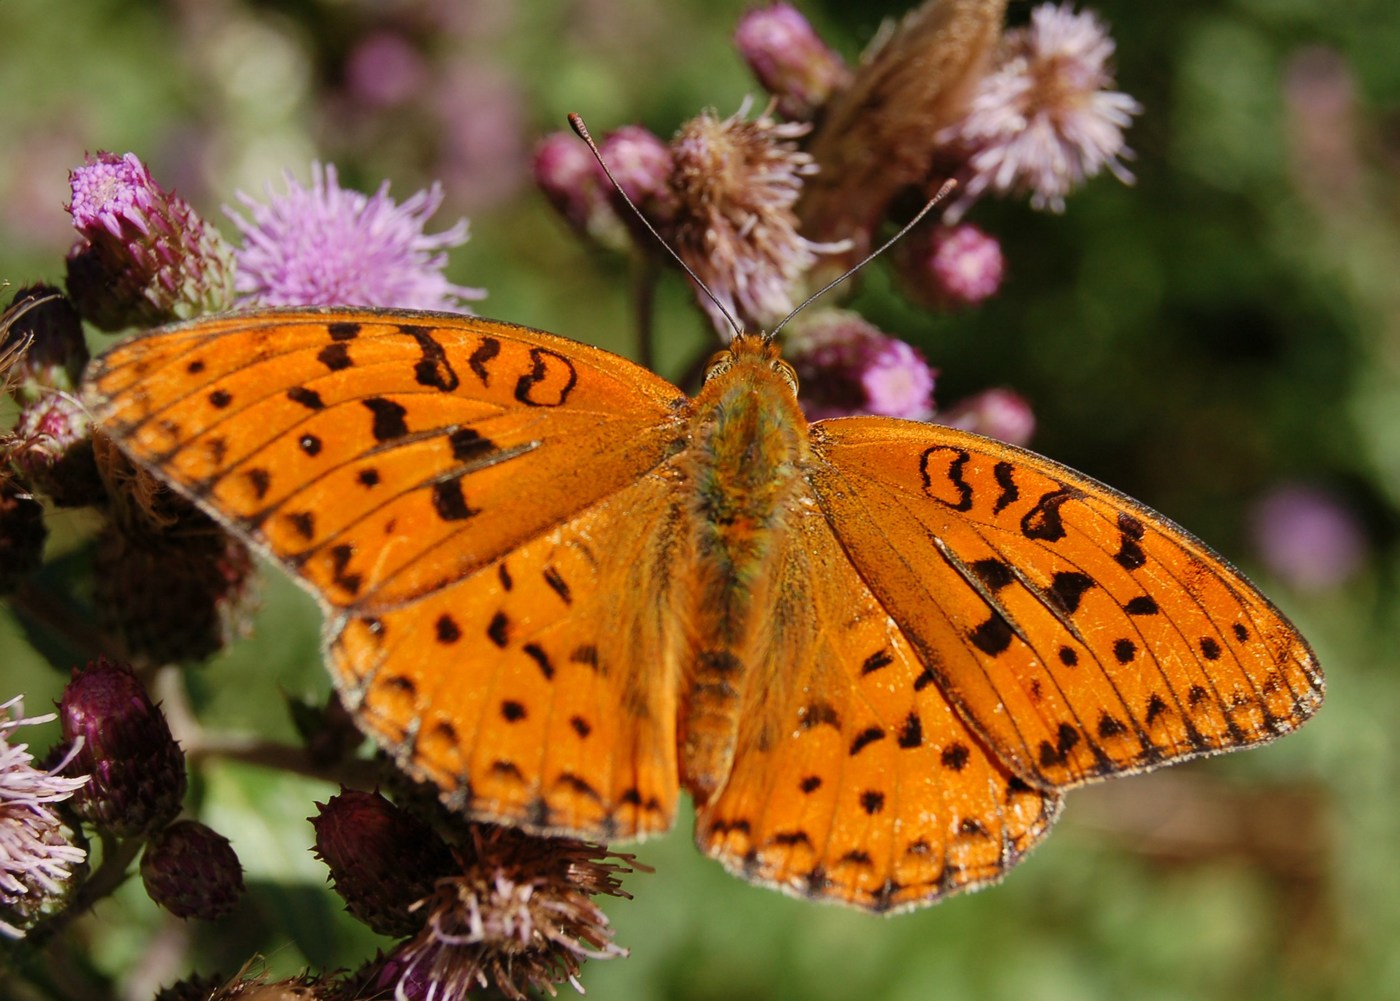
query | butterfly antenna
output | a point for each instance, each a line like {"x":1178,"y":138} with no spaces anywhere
{"x":576,"y":123}
{"x":941,"y":194}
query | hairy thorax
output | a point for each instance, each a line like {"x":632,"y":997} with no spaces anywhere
{"x":745,"y":461}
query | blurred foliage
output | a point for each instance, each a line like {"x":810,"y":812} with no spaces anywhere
{"x":1229,"y":323}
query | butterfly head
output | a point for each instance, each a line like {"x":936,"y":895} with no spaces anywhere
{"x":749,"y":353}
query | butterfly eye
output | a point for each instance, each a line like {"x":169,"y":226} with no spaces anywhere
{"x":788,"y":373}
{"x":719,"y":362}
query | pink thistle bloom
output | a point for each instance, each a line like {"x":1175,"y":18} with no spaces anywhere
{"x":326,"y":246}
{"x":951,"y":266}
{"x":38,"y":856}
{"x":145,"y":256}
{"x":1045,"y":119}
{"x":845,"y":365}
{"x":996,"y":413}
{"x":736,"y":183}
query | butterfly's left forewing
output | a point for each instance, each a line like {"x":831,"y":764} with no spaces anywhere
{"x":1078,"y":632}
{"x":469,"y":500}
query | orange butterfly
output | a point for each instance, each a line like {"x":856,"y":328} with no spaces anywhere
{"x":875,"y":651}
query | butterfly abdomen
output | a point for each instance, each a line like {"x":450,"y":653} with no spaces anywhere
{"x":748,"y":445}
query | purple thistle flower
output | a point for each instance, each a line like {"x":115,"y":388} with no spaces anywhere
{"x":146,"y":257}
{"x":326,"y":246}
{"x":1044,"y":120}
{"x":845,"y":365}
{"x":38,"y":856}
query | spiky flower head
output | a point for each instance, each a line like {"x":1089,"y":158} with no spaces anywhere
{"x":192,"y":871}
{"x":520,"y":916}
{"x":789,"y":59}
{"x":326,"y":245}
{"x":42,"y":321}
{"x":1046,"y":118}
{"x":997,"y":413}
{"x":735,"y":181}
{"x":40,"y":856}
{"x":948,"y":267}
{"x":382,"y":859}
{"x":145,"y":256}
{"x":135,"y":770}
{"x":846,"y":365}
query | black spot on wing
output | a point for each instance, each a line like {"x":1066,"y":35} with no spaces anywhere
{"x":308,"y":398}
{"x":1002,"y":472}
{"x":449,"y":501}
{"x":1130,"y":555}
{"x":877,"y":660}
{"x":934,"y":480}
{"x":432,"y":369}
{"x":550,"y":381}
{"x":388,"y":423}
{"x":1068,"y":587}
{"x":995,"y":574}
{"x":481,"y":355}
{"x":865,"y":738}
{"x":1043,"y":521}
{"x":993,"y":636}
{"x":335,"y":356}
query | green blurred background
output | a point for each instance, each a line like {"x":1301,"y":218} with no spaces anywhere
{"x":1228,"y":326}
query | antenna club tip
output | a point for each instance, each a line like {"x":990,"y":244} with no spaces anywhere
{"x":576,"y":123}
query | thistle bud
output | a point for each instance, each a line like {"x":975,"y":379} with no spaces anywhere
{"x":145,"y":256}
{"x":53,"y":451}
{"x":576,"y":186}
{"x":136,"y":771}
{"x":43,"y":318}
{"x":789,"y":60}
{"x":642,"y":165}
{"x":192,"y":871}
{"x":382,"y":859}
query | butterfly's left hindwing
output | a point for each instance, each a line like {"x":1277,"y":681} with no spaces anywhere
{"x":1079,"y":633}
